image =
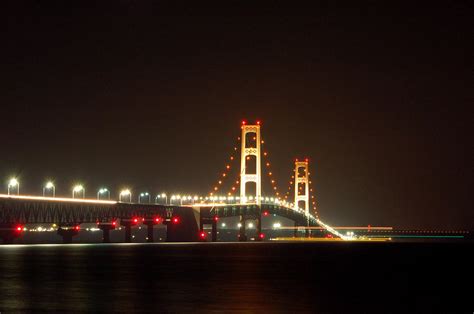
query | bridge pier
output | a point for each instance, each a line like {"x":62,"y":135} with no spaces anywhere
{"x":242,"y":236}
{"x":106,"y":227}
{"x":68,"y":232}
{"x":214,"y":230}
{"x":150,"y":222}
{"x":9,"y":232}
{"x":259,"y":234}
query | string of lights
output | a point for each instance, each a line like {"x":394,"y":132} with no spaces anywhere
{"x":267,"y":163}
{"x":227,"y":168}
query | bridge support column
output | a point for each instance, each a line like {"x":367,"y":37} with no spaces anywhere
{"x":149,"y":227}
{"x":9,"y":232}
{"x":214,"y":231}
{"x":106,"y":231}
{"x":128,"y":230}
{"x":68,"y":232}
{"x":259,"y":234}
{"x":242,"y":236}
{"x":150,"y":222}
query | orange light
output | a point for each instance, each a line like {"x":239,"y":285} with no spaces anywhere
{"x":227,"y":166}
{"x":223,"y":174}
{"x":215,"y":188}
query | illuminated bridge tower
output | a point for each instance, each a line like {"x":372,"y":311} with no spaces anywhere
{"x":246,"y":153}
{"x":302,"y":184}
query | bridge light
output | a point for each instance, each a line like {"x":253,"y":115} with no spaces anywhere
{"x":265,"y":213}
{"x":157,"y":219}
{"x":258,"y":122}
{"x":239,"y":225}
{"x":19,"y":228}
{"x":202,"y":235}
{"x":262,"y":236}
{"x":244,"y":122}
{"x":175,"y":220}
{"x":216,"y":218}
{"x":250,"y":225}
{"x":77,"y":228}
{"x":114,"y":223}
{"x":135,"y":220}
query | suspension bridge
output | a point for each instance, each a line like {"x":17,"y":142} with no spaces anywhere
{"x":184,"y":221}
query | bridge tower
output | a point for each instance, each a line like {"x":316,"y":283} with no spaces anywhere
{"x":246,"y":152}
{"x":302,"y":178}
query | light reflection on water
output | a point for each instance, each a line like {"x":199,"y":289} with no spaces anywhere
{"x":242,"y":277}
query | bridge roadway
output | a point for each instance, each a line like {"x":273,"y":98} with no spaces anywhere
{"x":184,"y":223}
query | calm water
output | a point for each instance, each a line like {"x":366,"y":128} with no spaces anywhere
{"x":240,"y":277}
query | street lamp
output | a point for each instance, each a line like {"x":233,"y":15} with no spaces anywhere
{"x":50,"y":187}
{"x":146,"y":194}
{"x":103,"y":191}
{"x":162,"y":195}
{"x":13,"y":183}
{"x":78,"y":189}
{"x":124,"y":193}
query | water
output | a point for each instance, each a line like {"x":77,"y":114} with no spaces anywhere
{"x":236,"y":277}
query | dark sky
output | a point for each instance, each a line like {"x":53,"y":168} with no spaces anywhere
{"x":150,"y":95}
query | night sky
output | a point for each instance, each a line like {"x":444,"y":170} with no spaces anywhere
{"x":149,"y":95}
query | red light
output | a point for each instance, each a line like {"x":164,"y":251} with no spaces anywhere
{"x":265,"y":213}
{"x":135,"y":220}
{"x":216,"y":218}
{"x":19,"y":228}
{"x":244,"y":122}
{"x":77,"y":228}
{"x":113,"y":223}
{"x":157,"y":219}
{"x":258,"y":122}
{"x":262,"y":236}
{"x":307,"y":159}
{"x":203,"y":235}
{"x":175,"y":220}
{"x":296,"y":159}
{"x":143,"y":219}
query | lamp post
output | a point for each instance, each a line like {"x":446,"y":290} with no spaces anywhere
{"x":78,"y":189}
{"x":162,"y":195}
{"x":50,"y":187}
{"x":14,"y":183}
{"x":124,"y":193}
{"x":103,"y":191}
{"x":146,"y":194}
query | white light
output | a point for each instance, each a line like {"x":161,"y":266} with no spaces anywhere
{"x":239,"y":225}
{"x":223,"y":225}
{"x":49,"y":185}
{"x":250,"y":225}
{"x":13,"y":182}
{"x":277,"y":225}
{"x":163,"y":195}
{"x":125,"y":192}
{"x":78,"y":188}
